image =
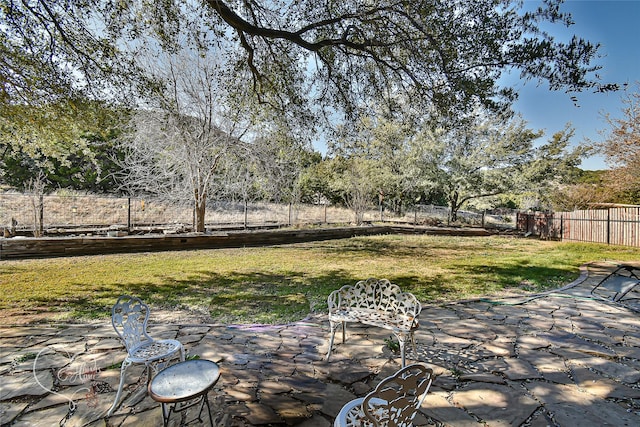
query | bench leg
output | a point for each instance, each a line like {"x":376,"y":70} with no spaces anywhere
{"x":413,"y":344}
{"x":330,"y":345}
{"x":402,"y":340}
{"x":333,"y":326}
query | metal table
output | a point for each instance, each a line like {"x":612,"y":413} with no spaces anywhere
{"x":184,"y":385}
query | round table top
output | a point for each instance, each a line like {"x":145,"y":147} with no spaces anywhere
{"x":184,"y":381}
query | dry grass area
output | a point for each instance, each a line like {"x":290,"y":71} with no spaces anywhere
{"x":66,"y":209}
{"x":69,"y":210}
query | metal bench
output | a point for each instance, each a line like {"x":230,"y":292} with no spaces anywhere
{"x":375,"y":302}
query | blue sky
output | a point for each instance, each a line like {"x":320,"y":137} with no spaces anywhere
{"x":616,"y":26}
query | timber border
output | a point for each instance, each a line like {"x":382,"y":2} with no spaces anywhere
{"x":48,"y":247}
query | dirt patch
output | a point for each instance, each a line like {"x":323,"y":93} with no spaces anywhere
{"x":41,"y":315}
{"x":16,"y":316}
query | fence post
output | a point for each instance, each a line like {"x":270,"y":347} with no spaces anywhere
{"x":325,"y":213}
{"x":561,"y":227}
{"x":608,"y":226}
{"x":41,"y":225}
{"x":129,"y":214}
{"x":290,"y":207}
{"x":246,"y":213}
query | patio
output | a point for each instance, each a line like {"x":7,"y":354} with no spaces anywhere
{"x":561,"y":358}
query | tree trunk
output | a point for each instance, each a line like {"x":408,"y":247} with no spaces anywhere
{"x":200,"y":208}
{"x":453,"y":207}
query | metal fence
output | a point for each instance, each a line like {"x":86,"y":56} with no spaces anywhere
{"x":72,"y":213}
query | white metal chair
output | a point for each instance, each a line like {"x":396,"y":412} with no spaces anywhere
{"x":394,"y":402}
{"x":129,"y":317}
{"x":618,"y":284}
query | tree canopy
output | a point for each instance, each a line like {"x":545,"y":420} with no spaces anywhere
{"x":70,"y":142}
{"x":483,"y":156}
{"x":284,"y":65}
{"x":299,"y":56}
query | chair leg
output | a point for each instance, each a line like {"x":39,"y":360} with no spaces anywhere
{"x":123,"y":368}
{"x":150,"y":372}
{"x":344,"y":330}
{"x":154,"y":367}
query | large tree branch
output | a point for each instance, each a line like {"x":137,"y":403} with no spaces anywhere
{"x":478,"y":196}
{"x":343,"y":17}
{"x":242,"y":25}
{"x":59,"y":25}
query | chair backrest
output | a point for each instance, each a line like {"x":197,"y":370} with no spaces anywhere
{"x":395,"y":401}
{"x":129,"y":317}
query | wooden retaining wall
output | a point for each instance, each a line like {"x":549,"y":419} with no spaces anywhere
{"x":29,"y":247}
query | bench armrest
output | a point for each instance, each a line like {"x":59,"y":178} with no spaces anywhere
{"x":336,"y":298}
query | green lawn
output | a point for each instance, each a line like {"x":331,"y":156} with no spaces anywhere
{"x":278,"y":284}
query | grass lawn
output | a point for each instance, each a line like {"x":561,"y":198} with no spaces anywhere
{"x":285,"y":283}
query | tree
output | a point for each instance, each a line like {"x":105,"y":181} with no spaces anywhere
{"x":176,"y":150}
{"x":70,"y":143}
{"x":486,"y":156}
{"x":315,"y":182}
{"x":55,"y":63}
{"x":55,"y":50}
{"x":581,"y":190}
{"x":354,"y":180}
{"x":35,"y":189}
{"x":299,"y":56}
{"x":282,"y":157}
{"x":621,"y":148}
{"x":307,"y":60}
{"x":566,"y":198}
{"x":271,"y":167}
{"x":386,"y":143}
{"x":480,"y":155}
{"x":554,"y":165}
{"x":377,"y":143}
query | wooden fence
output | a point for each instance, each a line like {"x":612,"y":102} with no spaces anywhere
{"x":613,"y":226}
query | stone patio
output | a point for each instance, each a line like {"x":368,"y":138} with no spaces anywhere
{"x":561,"y":359}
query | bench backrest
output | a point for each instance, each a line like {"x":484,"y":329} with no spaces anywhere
{"x":375,"y":294}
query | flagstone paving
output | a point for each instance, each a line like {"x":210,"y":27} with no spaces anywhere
{"x":559,"y":359}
